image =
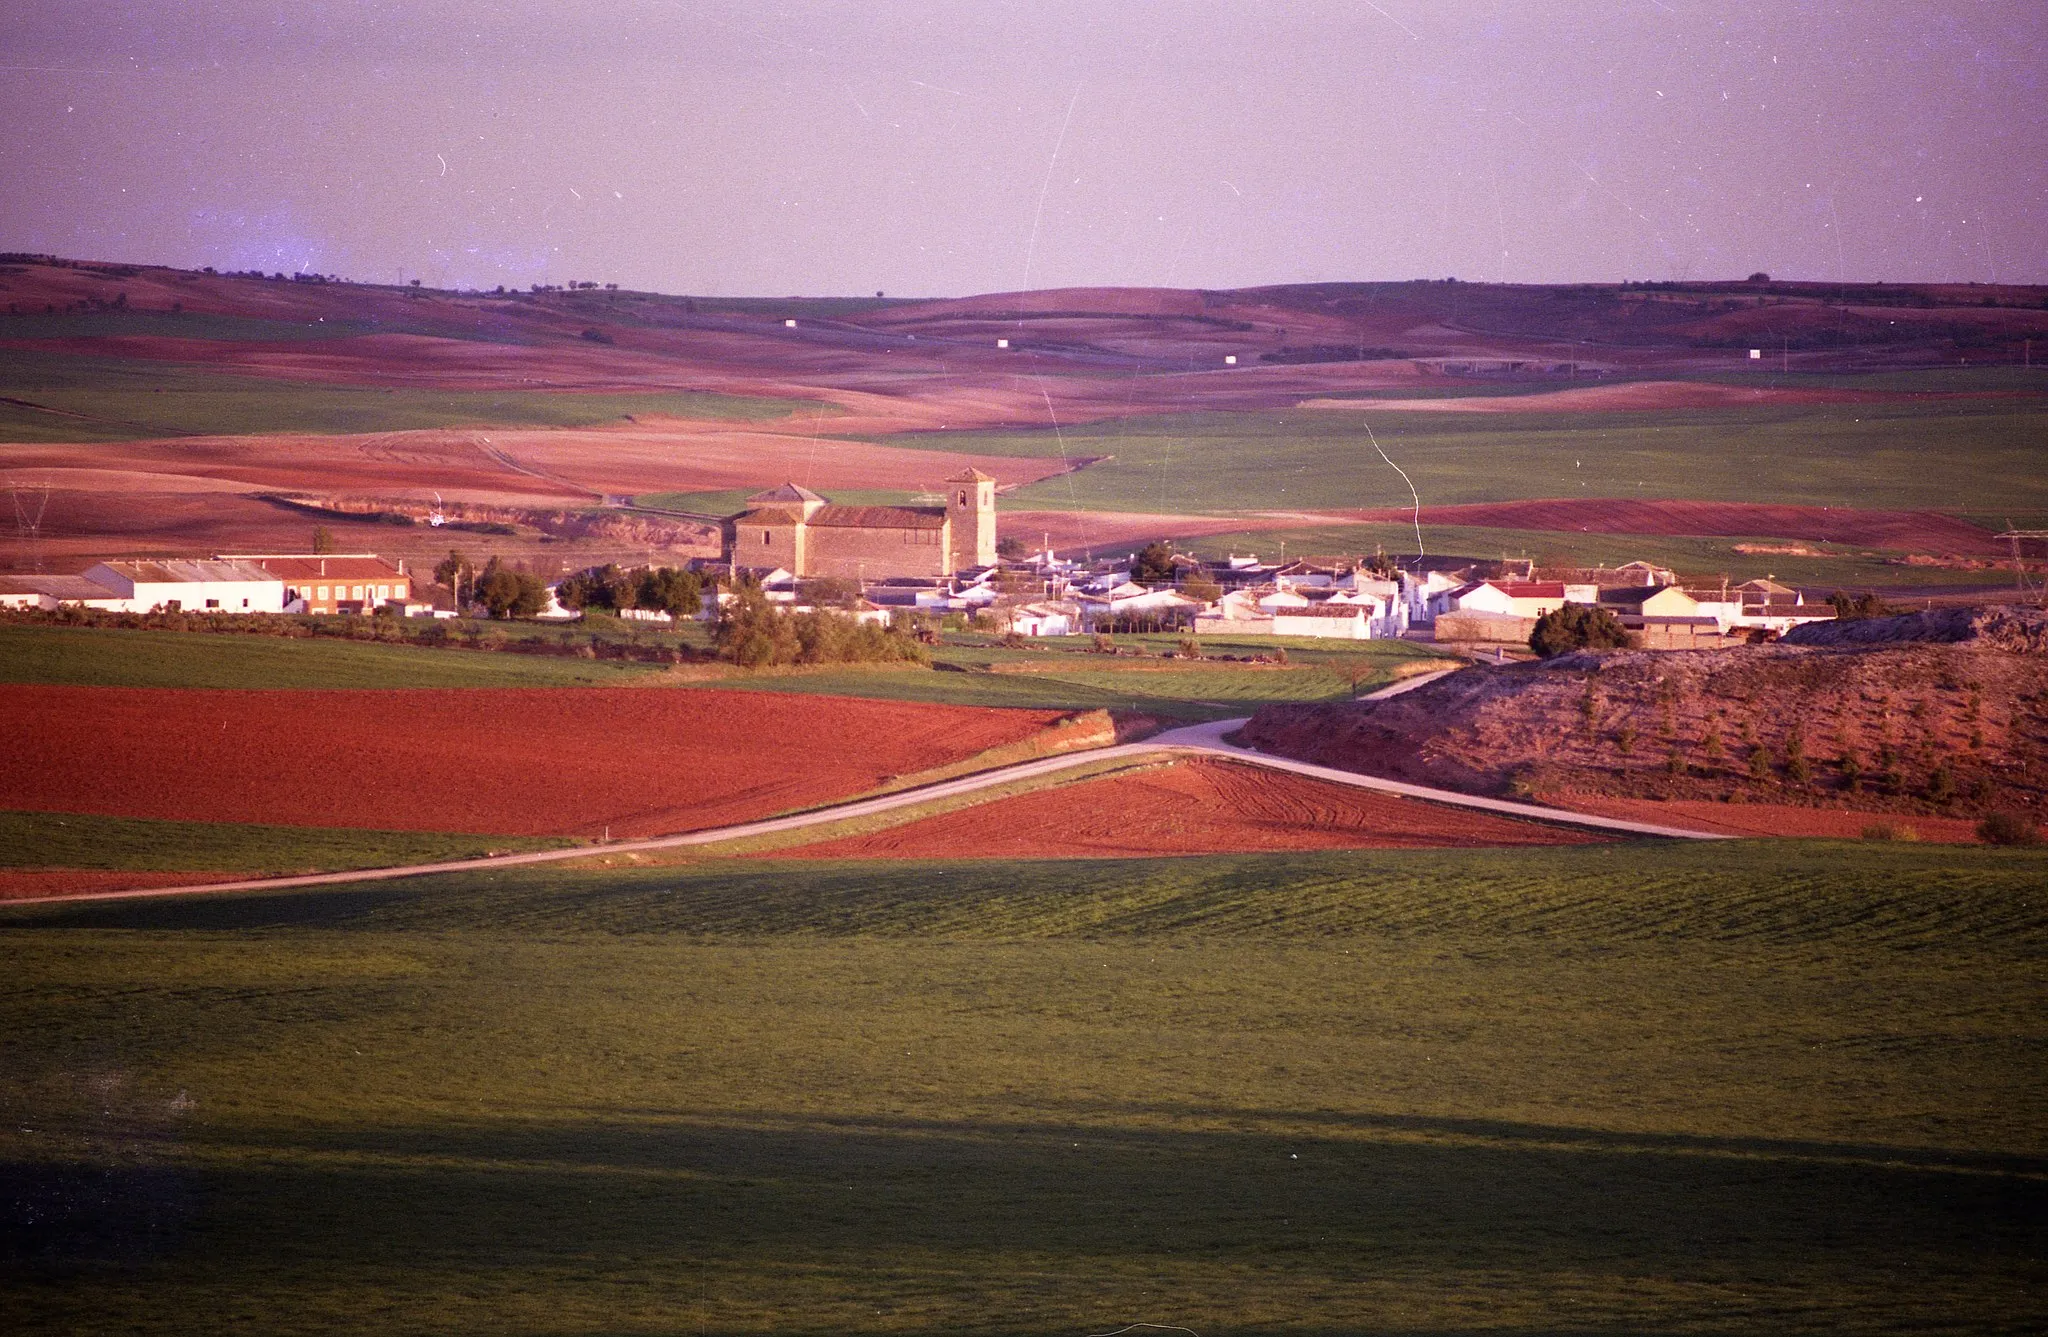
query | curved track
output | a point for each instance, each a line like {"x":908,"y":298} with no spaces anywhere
{"x":1206,"y":739}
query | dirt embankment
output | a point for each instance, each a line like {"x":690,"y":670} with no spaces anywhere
{"x":1920,"y":729}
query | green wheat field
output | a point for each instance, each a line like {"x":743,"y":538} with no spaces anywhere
{"x":1781,"y":1086}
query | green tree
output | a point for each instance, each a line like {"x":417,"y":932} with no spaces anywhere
{"x":1153,"y":565}
{"x":323,"y":539}
{"x":831,"y":592}
{"x":752,"y":632}
{"x":508,"y":593}
{"x":669,"y":590}
{"x":457,"y":572}
{"x":1578,"y":627}
{"x":1202,"y":586}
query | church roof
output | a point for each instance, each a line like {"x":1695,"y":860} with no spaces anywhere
{"x":971,"y":476}
{"x":878,"y":517}
{"x":788,"y":494}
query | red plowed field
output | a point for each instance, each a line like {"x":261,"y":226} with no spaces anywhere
{"x":1771,"y":819}
{"x":1196,"y":807}
{"x":521,"y":761}
{"x":1922,"y":531}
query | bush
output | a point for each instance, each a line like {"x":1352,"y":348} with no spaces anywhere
{"x":1859,"y":608}
{"x":2008,"y":828}
{"x":1889,"y":831}
{"x":753,"y":633}
{"x":1578,"y":627}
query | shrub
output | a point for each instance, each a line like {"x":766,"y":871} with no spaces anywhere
{"x":2008,"y":828}
{"x":753,"y":633}
{"x":1858,"y":608}
{"x":1578,"y":627}
{"x":1890,"y":831}
{"x":1941,"y":785}
{"x":1759,"y":764}
{"x":1625,"y":739}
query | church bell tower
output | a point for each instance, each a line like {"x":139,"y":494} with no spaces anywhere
{"x":971,"y":506}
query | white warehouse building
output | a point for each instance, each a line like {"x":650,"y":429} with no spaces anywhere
{"x":191,"y":585}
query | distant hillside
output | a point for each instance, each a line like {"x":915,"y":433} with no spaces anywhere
{"x":1846,"y":325}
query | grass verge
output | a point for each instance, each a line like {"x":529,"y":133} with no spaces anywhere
{"x":129,"y":844}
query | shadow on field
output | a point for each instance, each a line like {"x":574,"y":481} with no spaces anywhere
{"x":930,"y":1212}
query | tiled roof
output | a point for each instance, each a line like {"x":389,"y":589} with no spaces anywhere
{"x":787,"y":494}
{"x":1632,"y":594}
{"x":60,"y":587}
{"x":971,"y":476}
{"x":1531,"y":589}
{"x":188,"y":571}
{"x":878,"y":517}
{"x":315,"y":566}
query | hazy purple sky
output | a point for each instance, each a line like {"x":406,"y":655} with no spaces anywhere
{"x":947,"y":148}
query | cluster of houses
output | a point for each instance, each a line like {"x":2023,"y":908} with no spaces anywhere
{"x":230,"y":583}
{"x":881,"y":563}
{"x":1647,"y":600}
{"x":1045,"y":595}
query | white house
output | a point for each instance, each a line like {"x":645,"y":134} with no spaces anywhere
{"x":1129,"y":600}
{"x":189,"y":585}
{"x":1043,"y":619}
{"x":1351,"y":622}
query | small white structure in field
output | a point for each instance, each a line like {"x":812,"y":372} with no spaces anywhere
{"x":789,"y":324}
{"x":1755,"y":354}
{"x":1002,"y":343}
{"x":1230,"y":359}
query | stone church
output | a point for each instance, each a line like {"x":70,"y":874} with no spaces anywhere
{"x":803,"y":533}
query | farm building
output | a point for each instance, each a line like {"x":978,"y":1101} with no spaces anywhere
{"x":352,"y":582}
{"x":795,"y":528}
{"x":191,"y":585}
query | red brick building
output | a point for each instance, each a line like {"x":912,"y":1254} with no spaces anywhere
{"x":351,"y":582}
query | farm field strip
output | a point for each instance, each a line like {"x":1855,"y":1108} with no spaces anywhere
{"x":517,"y":761}
{"x":1948,"y":456}
{"x":1193,"y":738}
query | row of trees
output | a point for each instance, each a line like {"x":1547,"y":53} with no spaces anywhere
{"x":504,"y":590}
{"x":662,"y":589}
{"x":754,"y":633}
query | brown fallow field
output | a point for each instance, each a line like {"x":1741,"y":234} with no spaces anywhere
{"x":1189,"y":807}
{"x":527,"y":762}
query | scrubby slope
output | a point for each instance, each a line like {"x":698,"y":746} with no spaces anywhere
{"x":1870,"y":729}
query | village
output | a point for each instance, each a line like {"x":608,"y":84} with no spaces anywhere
{"x":888,"y":565}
